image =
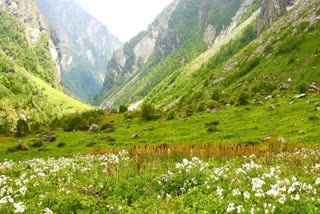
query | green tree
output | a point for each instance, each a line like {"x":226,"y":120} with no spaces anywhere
{"x":22,"y":128}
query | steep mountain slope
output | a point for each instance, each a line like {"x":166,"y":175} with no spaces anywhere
{"x":86,"y":46}
{"x":284,"y":61}
{"x":183,"y":31}
{"x":27,"y":70}
{"x":32,"y":51}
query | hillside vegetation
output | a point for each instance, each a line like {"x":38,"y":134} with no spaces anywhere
{"x":27,"y":79}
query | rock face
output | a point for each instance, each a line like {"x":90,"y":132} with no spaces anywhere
{"x":270,"y":11}
{"x":27,"y":12}
{"x":186,"y":28}
{"x":126,"y":61}
{"x":85,"y":43}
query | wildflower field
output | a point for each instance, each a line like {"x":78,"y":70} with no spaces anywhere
{"x":166,"y":179}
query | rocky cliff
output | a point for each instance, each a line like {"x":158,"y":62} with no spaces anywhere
{"x":271,"y":10}
{"x":181,"y":32}
{"x":85,"y":43}
{"x":27,"y":12}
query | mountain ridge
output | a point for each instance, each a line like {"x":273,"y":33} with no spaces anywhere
{"x":85,"y":43}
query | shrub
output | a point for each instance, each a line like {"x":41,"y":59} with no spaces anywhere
{"x":171,"y":115}
{"x":60,"y":145}
{"x":243,"y":98}
{"x":212,"y":123}
{"x":148,"y":112}
{"x":123,"y":109}
{"x":212,"y":128}
{"x":22,"y":128}
{"x":216,"y":94}
{"x":302,"y":87}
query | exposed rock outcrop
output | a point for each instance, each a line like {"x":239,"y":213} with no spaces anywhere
{"x":27,"y":12}
{"x":271,"y":10}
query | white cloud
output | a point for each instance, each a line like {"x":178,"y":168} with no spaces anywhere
{"x":125,"y":18}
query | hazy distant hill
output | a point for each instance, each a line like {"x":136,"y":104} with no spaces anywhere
{"x":86,"y":46}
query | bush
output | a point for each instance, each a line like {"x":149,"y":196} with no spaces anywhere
{"x":22,"y":128}
{"x":148,"y":112}
{"x":123,"y":109}
{"x":212,"y":128}
{"x":216,"y":94}
{"x":243,"y":98}
{"x":60,"y":145}
{"x":212,"y":123}
{"x":171,"y":115}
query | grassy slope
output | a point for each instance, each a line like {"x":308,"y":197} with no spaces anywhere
{"x":293,"y":53}
{"x":27,"y":74}
{"x":241,"y":124}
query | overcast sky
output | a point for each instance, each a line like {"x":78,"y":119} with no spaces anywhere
{"x":125,"y":18}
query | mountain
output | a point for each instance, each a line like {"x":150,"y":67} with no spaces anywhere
{"x":29,"y":69}
{"x":247,"y":49}
{"x":281,"y":62}
{"x":184,"y":30}
{"x":86,"y":46}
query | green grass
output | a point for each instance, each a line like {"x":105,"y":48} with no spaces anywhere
{"x":296,"y":122}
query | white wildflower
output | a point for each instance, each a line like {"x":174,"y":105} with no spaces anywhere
{"x":318,"y":181}
{"x":246,"y":195}
{"x":220,"y":192}
{"x":240,"y":209}
{"x":257,"y":183}
{"x":236,"y":192}
{"x":47,"y":211}
{"x":19,"y":207}
{"x":231,"y":208}
{"x":23,"y":190}
{"x":282,"y":199}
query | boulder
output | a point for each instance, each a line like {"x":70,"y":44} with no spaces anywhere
{"x":135,"y":136}
{"x":109,"y":138}
{"x":148,"y":128}
{"x":313,"y":88}
{"x":300,"y":96}
{"x":281,"y":140}
{"x":285,"y":86}
{"x":93,"y":128}
{"x":91,"y":143}
{"x":271,"y":107}
{"x":22,"y":146}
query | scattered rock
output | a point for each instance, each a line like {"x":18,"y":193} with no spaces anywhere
{"x":93,"y":128}
{"x":300,"y":96}
{"x":22,"y":146}
{"x":51,"y":138}
{"x":208,"y":110}
{"x":91,"y":143}
{"x":258,"y":103}
{"x":271,"y":107}
{"x":268,"y":97}
{"x":228,"y":105}
{"x":135,"y":136}
{"x":148,"y":128}
{"x":37,"y":144}
{"x":318,"y":108}
{"x":218,"y":80}
{"x":108,"y":128}
{"x":289,"y":80}
{"x":281,"y":140}
{"x":313,"y":88}
{"x":285,"y":86}
{"x":266,"y":139}
{"x":109,"y":138}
